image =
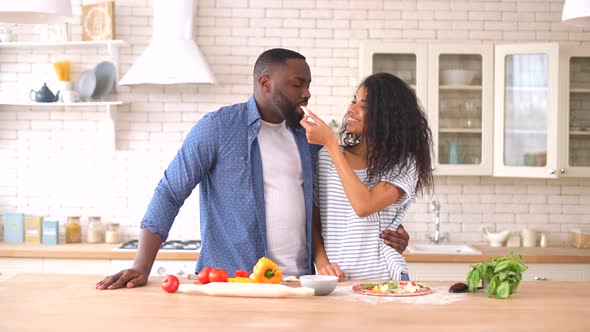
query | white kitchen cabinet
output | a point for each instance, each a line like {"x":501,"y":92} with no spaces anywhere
{"x":524,"y":113}
{"x":12,"y":266}
{"x":77,"y":266}
{"x":526,"y":110}
{"x":574,"y":114}
{"x":161,"y":267}
{"x":542,"y":119}
{"x":406,"y":61}
{"x":459,"y":108}
{"x":536,"y":272}
{"x":438,"y":271}
{"x":557,"y":272}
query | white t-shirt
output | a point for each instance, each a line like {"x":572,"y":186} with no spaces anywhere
{"x":283,"y":198}
{"x":351,"y":241}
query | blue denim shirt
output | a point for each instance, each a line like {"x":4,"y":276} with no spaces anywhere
{"x":221,"y":153}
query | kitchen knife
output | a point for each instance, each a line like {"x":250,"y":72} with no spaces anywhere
{"x":246,"y":290}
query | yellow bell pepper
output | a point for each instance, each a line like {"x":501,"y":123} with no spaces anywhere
{"x":267,"y":272}
{"x":242,"y":280}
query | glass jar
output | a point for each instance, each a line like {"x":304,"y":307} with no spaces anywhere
{"x":6,"y":34}
{"x":112,"y":234}
{"x":95,"y":232}
{"x":73,"y":230}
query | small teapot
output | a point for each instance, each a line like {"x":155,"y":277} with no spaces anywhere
{"x":44,"y":95}
{"x":496,"y":239}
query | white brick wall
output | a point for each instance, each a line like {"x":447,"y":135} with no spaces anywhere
{"x":53,"y":162}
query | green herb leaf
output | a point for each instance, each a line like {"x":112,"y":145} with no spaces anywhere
{"x":368,"y":286}
{"x":473,"y":279}
{"x":503,"y":290}
{"x":502,"y":275}
{"x":492,"y":286}
{"x":501,"y":266}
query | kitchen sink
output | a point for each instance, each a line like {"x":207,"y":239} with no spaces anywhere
{"x":443,"y":249}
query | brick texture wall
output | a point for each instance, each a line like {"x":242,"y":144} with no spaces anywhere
{"x":55,"y":162}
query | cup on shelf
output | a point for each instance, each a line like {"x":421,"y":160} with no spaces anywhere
{"x":454,"y":153}
{"x":472,"y":118}
{"x":529,"y":237}
{"x":63,"y":86}
{"x":70,"y":96}
{"x":544,"y":240}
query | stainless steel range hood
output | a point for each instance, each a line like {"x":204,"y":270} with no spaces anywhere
{"x":172,"y":56}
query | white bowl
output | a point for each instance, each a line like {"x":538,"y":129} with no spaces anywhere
{"x":323,"y":285}
{"x":457,"y":76}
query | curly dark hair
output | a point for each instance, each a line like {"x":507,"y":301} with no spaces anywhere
{"x":396,"y":130}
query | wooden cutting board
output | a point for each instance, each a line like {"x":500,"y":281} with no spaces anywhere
{"x":246,"y":290}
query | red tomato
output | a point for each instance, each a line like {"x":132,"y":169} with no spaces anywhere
{"x":170,"y":283}
{"x":241,"y":273}
{"x":203,"y":276}
{"x":218,"y":275}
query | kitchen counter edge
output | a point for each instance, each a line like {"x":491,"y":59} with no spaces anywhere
{"x":564,"y":255}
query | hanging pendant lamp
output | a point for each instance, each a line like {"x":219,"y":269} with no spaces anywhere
{"x":35,"y":11}
{"x":576,"y":13}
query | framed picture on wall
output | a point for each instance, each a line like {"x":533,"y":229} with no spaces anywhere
{"x":98,"y":21}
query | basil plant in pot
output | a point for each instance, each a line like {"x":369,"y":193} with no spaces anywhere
{"x":500,"y":278}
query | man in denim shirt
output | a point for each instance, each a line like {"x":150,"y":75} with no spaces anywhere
{"x":244,"y":215}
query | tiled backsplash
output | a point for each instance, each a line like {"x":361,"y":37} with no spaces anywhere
{"x":54,"y":162}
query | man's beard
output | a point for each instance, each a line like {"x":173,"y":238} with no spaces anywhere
{"x":287,"y":109}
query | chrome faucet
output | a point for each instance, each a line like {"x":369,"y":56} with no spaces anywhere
{"x":434,"y":207}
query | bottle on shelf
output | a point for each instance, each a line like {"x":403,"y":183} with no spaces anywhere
{"x":113,"y":234}
{"x":96,"y":231}
{"x":73,"y":230}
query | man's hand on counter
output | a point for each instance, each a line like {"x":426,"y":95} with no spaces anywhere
{"x":137,"y":275}
{"x":127,"y":278}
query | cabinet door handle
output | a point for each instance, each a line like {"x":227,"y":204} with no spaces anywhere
{"x":551,"y":171}
{"x":562,"y":171}
{"x":541,"y":278}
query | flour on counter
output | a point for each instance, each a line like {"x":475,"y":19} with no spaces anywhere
{"x":439,"y":295}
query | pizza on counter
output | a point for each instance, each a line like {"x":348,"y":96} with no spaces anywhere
{"x":392,"y":288}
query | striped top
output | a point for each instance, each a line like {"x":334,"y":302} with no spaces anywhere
{"x":351,"y":241}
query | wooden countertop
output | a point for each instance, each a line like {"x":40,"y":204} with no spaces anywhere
{"x":105,"y":251}
{"x":81,"y":251}
{"x":560,"y":255}
{"x":58,"y":302}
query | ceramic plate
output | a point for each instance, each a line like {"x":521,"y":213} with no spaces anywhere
{"x":86,"y":84}
{"x":105,"y":79}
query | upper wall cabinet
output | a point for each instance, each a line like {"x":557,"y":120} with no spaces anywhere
{"x":406,"y":61}
{"x":454,"y":83}
{"x":574,"y":112}
{"x":542,"y":111}
{"x":460,"y":107}
{"x":519,"y":110}
{"x":526,"y":116}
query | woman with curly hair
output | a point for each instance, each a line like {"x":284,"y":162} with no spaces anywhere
{"x":367,"y":178}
